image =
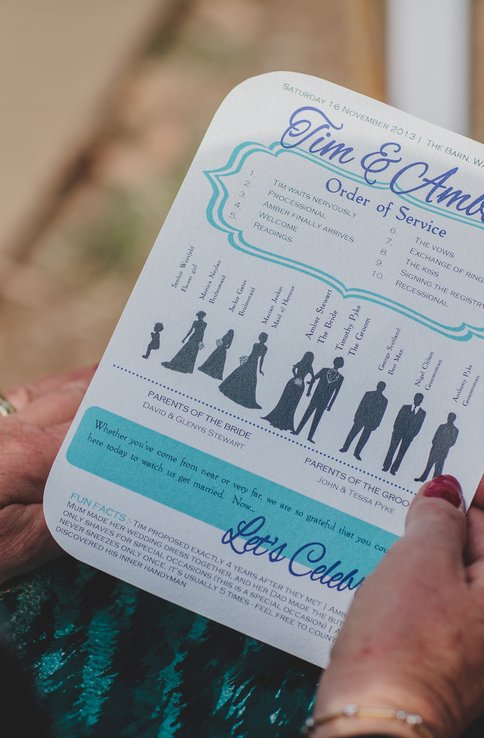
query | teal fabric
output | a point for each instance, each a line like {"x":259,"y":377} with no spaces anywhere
{"x":112,"y":660}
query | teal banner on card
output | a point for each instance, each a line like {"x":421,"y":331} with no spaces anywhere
{"x":217,"y":492}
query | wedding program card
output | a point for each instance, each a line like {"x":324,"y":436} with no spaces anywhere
{"x":302,"y":349}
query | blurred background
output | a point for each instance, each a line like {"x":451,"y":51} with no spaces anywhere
{"x":103,"y":107}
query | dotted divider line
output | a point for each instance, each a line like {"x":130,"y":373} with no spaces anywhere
{"x":262,"y":428}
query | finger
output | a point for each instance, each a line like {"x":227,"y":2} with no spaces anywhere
{"x":478,"y":500}
{"x":25,"y":541}
{"x":475,"y":544}
{"x":436,"y":522}
{"x":22,"y":395}
{"x":474,"y":553}
{"x":27,"y":485}
{"x":431,"y":548}
{"x":52,"y":408}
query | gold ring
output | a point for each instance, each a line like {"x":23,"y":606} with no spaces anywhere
{"x":6,"y":407}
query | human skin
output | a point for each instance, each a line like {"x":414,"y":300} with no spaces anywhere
{"x":29,"y":441}
{"x":414,"y":636}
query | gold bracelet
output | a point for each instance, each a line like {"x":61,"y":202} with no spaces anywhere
{"x":356,"y":712}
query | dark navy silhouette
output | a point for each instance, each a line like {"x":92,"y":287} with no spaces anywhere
{"x":184,"y":360}
{"x":240,"y":386}
{"x":154,"y":344}
{"x":329,"y":384}
{"x":406,"y":426}
{"x":368,"y":417}
{"x":282,"y":416}
{"x":444,"y":438}
{"x":215,"y":364}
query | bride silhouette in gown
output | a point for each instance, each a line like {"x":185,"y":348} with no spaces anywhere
{"x":240,"y":386}
{"x":184,"y":360}
{"x":215,"y":364}
{"x":282,"y":416}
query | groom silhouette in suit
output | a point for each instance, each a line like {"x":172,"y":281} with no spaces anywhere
{"x":329,"y":384}
{"x":406,"y":426}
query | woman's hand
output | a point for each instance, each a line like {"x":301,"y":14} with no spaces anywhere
{"x":414,"y":635}
{"x":29,"y":441}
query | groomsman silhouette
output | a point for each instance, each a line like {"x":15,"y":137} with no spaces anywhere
{"x":444,"y":438}
{"x":406,"y":426}
{"x":368,"y":417}
{"x":329,"y":382}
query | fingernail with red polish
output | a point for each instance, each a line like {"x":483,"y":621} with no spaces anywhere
{"x":447,"y":488}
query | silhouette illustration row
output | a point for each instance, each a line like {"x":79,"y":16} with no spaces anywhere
{"x":241,"y":384}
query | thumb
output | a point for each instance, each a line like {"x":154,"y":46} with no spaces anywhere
{"x":436,"y":522}
{"x":478,"y":500}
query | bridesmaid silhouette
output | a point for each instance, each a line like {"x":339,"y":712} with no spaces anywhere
{"x":184,"y":360}
{"x":241,"y":384}
{"x":282,"y":416}
{"x":215,"y":364}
